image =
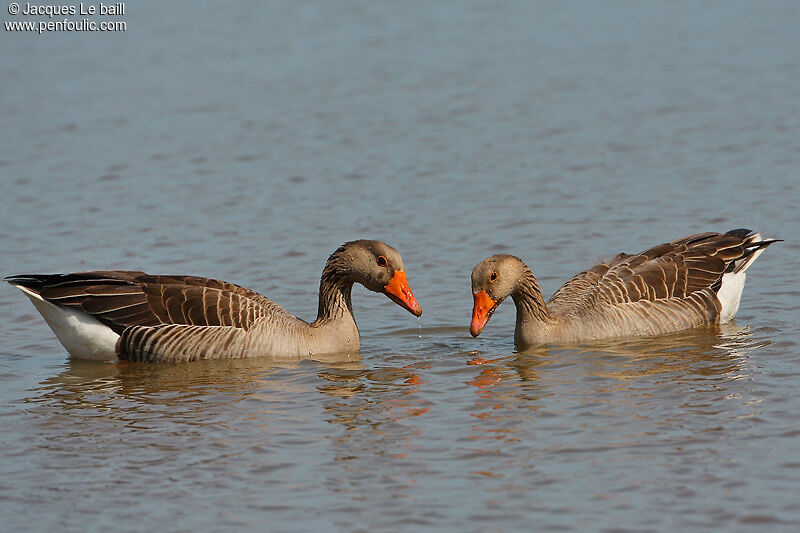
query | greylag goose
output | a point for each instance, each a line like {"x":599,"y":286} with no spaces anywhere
{"x":690,"y":282}
{"x":129,"y":315}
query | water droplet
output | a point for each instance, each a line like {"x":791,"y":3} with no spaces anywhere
{"x":419,"y":324}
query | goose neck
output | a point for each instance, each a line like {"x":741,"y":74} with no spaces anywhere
{"x":528,"y":299}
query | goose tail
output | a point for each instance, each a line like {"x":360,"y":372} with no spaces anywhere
{"x":83,"y":336}
{"x":730,"y":291}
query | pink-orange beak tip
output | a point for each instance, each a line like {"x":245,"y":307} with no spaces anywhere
{"x":474,"y":329}
{"x":398,"y":291}
{"x":481,"y":311}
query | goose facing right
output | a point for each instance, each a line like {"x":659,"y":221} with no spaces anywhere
{"x":129,"y":315}
{"x":689,"y":282}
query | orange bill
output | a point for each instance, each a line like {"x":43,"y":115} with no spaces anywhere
{"x":400,"y":293}
{"x":482,"y":311}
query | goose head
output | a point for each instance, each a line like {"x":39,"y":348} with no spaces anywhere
{"x":493,"y":280}
{"x":378,"y":267}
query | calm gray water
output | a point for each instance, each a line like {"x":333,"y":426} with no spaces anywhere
{"x":247,"y":142}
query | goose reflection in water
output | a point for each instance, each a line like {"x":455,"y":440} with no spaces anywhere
{"x":591,"y":380}
{"x":91,"y":384}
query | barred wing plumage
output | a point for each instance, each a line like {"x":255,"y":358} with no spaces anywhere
{"x":674,"y":270}
{"x":161,"y":317}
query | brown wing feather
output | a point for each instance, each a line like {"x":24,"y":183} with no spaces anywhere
{"x":121,"y":299}
{"x":671,"y":270}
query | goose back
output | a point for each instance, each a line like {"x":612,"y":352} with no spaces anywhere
{"x":664,"y":289}
{"x":673,"y":270}
{"x":172,"y":318}
{"x":120,"y":299}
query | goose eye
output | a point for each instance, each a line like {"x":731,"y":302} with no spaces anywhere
{"x":382,"y":261}
{"x":493,"y":276}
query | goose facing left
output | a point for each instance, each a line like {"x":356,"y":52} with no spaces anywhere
{"x":130,"y":315}
{"x":686,"y":283}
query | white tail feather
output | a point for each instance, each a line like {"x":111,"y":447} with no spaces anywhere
{"x":82,"y":335}
{"x":730,"y":292}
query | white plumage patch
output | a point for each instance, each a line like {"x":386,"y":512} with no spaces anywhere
{"x":82,"y":335}
{"x":730,"y":294}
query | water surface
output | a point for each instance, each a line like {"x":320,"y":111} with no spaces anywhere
{"x":247,"y":142}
